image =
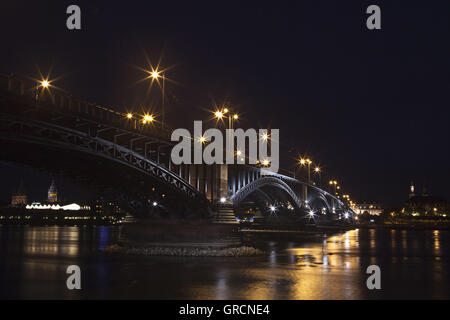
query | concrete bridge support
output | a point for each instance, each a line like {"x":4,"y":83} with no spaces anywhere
{"x":304,"y":195}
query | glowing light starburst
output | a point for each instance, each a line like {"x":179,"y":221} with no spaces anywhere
{"x":156,"y":74}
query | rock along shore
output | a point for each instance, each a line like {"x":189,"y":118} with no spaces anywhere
{"x":242,"y":251}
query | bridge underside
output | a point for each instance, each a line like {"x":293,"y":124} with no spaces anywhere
{"x":135,"y":191}
{"x":95,"y":149}
{"x":270,"y":200}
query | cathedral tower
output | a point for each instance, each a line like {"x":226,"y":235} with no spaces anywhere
{"x":52,"y":193}
{"x":19,"y":198}
{"x":411,"y":190}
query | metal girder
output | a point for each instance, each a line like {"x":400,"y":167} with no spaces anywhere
{"x":78,"y":141}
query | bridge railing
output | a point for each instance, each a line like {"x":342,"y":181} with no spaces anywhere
{"x":64,"y":101}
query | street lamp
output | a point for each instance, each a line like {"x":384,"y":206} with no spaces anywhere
{"x":318,"y":171}
{"x":307,"y":162}
{"x":220,"y":114}
{"x":155,"y":75}
{"x":130,"y":117}
{"x":334,"y":183}
{"x":147,"y":119}
{"x":44,"y":84}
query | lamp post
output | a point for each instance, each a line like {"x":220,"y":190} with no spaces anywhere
{"x":334,"y":183}
{"x":130,"y":117}
{"x":220,"y":114}
{"x":155,"y":74}
{"x":318,"y":171}
{"x":307,"y":162}
{"x":44,"y":84}
{"x":302,"y":162}
{"x":147,"y":119}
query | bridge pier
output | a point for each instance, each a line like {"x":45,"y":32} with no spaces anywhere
{"x":304,"y":194}
{"x":213,"y":181}
{"x":221,"y":181}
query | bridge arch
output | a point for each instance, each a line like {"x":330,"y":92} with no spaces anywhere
{"x":319,"y":201}
{"x":262,"y":182}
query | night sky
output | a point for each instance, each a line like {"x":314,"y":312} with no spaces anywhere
{"x":371,"y":107}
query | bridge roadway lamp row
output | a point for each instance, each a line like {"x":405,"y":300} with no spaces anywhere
{"x":147,"y":118}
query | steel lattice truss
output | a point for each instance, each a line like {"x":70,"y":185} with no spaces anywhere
{"x":52,"y":135}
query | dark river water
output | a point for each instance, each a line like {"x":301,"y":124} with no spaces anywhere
{"x":414,"y":264}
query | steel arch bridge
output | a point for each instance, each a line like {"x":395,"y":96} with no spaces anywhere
{"x":104,"y":149}
{"x":262,"y":182}
{"x":311,"y":199}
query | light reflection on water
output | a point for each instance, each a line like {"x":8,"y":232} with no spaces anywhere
{"x":414,"y":264}
{"x":318,"y":263}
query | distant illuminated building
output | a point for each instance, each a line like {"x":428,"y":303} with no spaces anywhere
{"x":106,"y":208}
{"x":425,"y":204}
{"x":19,"y":198}
{"x":70,"y":207}
{"x":52,"y":193}
{"x":372,"y":208}
{"x":52,"y":212}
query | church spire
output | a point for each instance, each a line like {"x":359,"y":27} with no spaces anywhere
{"x":411,"y":190}
{"x":52,"y":192}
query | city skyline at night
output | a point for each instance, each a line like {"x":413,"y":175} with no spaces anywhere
{"x":218,"y":157}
